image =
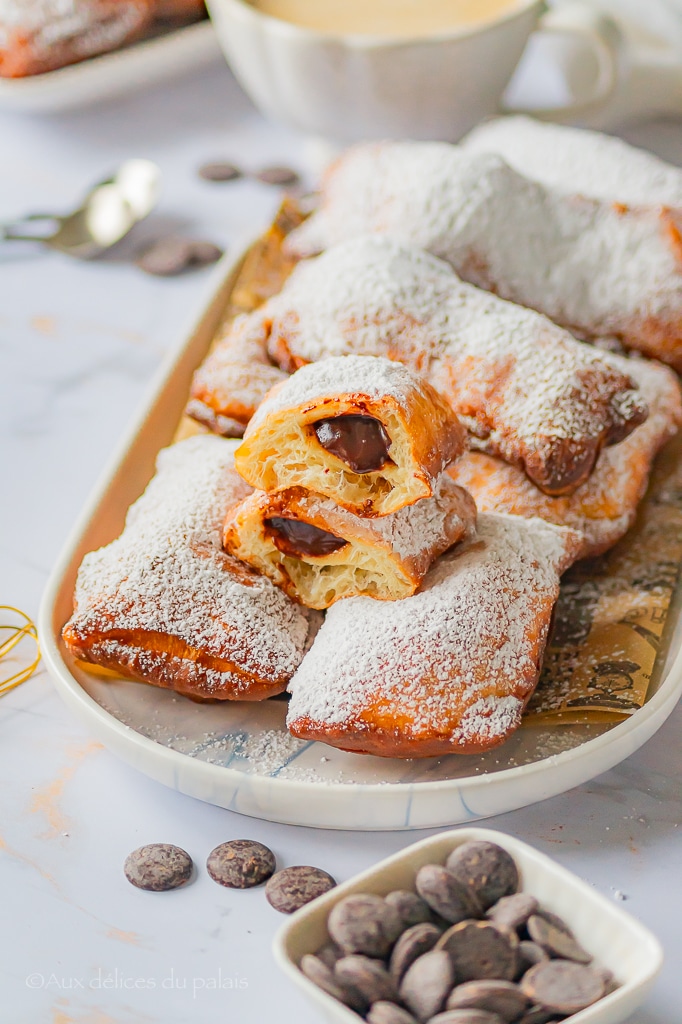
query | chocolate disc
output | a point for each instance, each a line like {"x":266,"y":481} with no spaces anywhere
{"x":512,"y":911}
{"x":555,"y":938}
{"x":240,"y":863}
{"x":452,"y":900}
{"x":291,"y":888}
{"x":529,"y":955}
{"x":321,"y":975}
{"x":500,"y":997}
{"x":562,"y":986}
{"x":485,"y":868}
{"x":480,"y":950}
{"x":277,"y":176}
{"x":219,"y":170}
{"x":389,"y":1013}
{"x":412,"y":944}
{"x":158,"y":867}
{"x":411,"y":907}
{"x":367,"y":976}
{"x":427,"y":983}
{"x":364,"y":923}
{"x":466,"y":1017}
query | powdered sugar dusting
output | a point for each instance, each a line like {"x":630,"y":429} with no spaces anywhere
{"x":86,"y":26}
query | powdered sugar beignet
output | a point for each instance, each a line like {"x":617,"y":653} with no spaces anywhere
{"x":597,"y":268}
{"x":319,"y":553}
{"x":365,"y":431}
{"x":525,"y":389}
{"x":448,"y":670}
{"x":605,"y":506}
{"x":164,"y":604}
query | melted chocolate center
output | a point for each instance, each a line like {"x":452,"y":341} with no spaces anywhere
{"x":292,"y":537}
{"x":359,"y":441}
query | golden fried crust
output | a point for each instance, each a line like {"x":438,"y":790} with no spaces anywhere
{"x":448,"y":670}
{"x":281,"y":449}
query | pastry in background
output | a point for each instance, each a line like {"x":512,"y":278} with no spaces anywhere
{"x":165,"y":605}
{"x":319,"y":553}
{"x":179,"y":10}
{"x":365,"y":431}
{"x":41,"y":35}
{"x":525,"y":389}
{"x":448,"y":670}
{"x":597,"y":268}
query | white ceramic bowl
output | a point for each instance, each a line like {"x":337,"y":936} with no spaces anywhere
{"x":616,"y":940}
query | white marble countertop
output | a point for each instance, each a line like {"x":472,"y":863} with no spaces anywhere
{"x":79,"y":345}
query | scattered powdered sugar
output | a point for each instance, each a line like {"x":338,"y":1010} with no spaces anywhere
{"x":86,"y":25}
{"x":584,"y":263}
{"x":575,"y":160}
{"x":457,"y":660}
{"x":167,"y":574}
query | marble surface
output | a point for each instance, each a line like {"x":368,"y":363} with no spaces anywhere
{"x":80,"y":344}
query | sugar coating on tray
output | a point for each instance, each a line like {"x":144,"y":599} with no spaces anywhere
{"x":232,"y":381}
{"x":595,"y":267}
{"x":448,"y":670}
{"x":364,"y":430}
{"x":575,"y":160}
{"x":319,"y":553}
{"x":525,"y":388}
{"x":604,"y":507}
{"x":164,"y":604}
{"x":473,"y":972}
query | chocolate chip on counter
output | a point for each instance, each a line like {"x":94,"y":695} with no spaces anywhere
{"x":158,"y":867}
{"x":389,"y":1013}
{"x":486,"y":869}
{"x":367,"y":976}
{"x":291,"y":888}
{"x":512,"y":912}
{"x":364,"y":923}
{"x":500,"y":997}
{"x":562,"y":986}
{"x":318,"y":972}
{"x":480,"y":950}
{"x":427,"y":983}
{"x":219,"y":170}
{"x":240,"y":863}
{"x":283,"y":176}
{"x":556,"y":939}
{"x":529,"y":955}
{"x":204,"y":253}
{"x":166,"y":257}
{"x":538,"y":1015}
{"x":412,"y":909}
{"x":466,"y":1017}
{"x":412,"y":944}
{"x":445,"y":894}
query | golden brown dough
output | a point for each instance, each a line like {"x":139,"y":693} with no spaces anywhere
{"x":164,"y":604}
{"x":448,"y":670}
{"x":343,"y":554}
{"x":605,"y":506}
{"x":367,"y":432}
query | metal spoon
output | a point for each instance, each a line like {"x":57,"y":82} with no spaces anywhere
{"x":109,"y":211}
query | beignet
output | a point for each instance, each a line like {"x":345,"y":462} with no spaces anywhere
{"x":365,"y":431}
{"x":319,"y":553}
{"x":598,"y":268}
{"x":165,"y":605}
{"x":603,"y":508}
{"x":448,"y":670}
{"x":525,"y":389}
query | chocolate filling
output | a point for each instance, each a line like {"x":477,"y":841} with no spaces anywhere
{"x":359,"y":441}
{"x":292,"y":537}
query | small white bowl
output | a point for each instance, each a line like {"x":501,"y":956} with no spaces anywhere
{"x":616,"y":940}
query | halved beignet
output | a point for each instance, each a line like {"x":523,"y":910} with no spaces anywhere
{"x":233,"y":380}
{"x":365,"y":431}
{"x":525,"y":389}
{"x":448,"y":670}
{"x":603,"y":508}
{"x":164,"y":604}
{"x":319,"y":553}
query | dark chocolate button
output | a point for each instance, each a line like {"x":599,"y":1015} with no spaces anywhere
{"x":364,"y":923}
{"x":367,"y":976}
{"x":512,"y":912}
{"x":466,"y":1017}
{"x":203,"y":253}
{"x":411,"y":907}
{"x":538,"y":1015}
{"x":240,"y":864}
{"x":276,"y":175}
{"x":158,"y":867}
{"x":480,"y":950}
{"x":291,"y":888}
{"x":412,"y":944}
{"x":294,"y":537}
{"x":445,"y":894}
{"x":556,"y":939}
{"x":562,"y":986}
{"x":529,"y":955}
{"x":359,"y":441}
{"x":219,"y":170}
{"x":320,"y":975}
{"x":389,"y":1013}
{"x":427,"y":983}
{"x":166,"y":257}
{"x":486,"y":869}
{"x":500,"y":997}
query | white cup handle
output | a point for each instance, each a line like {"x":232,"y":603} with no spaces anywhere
{"x":602,"y":35}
